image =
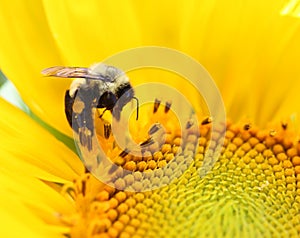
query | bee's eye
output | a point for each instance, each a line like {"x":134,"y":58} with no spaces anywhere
{"x":107,"y":100}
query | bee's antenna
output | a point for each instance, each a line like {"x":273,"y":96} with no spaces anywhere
{"x":137,"y":107}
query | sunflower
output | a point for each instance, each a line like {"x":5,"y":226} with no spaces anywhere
{"x":251,"y":49}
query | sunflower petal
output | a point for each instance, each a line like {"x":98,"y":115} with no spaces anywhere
{"x":250,"y":50}
{"x":24,"y":143}
{"x":27,"y":47}
{"x":21,"y":202}
{"x":88,"y":33}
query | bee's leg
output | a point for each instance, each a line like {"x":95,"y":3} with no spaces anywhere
{"x":107,"y":130}
{"x":106,"y":125}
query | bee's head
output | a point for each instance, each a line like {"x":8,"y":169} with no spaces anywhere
{"x":115,"y":101}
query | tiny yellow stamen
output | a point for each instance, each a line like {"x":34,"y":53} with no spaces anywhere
{"x":253,"y":188}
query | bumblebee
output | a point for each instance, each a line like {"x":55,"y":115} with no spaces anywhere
{"x":99,"y":86}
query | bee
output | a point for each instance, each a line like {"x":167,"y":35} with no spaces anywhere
{"x":99,"y":86}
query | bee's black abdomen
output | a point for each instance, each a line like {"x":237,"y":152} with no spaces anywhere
{"x":69,"y":101}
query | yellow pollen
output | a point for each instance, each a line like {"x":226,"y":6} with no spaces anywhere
{"x":78,"y":106}
{"x":253,"y":189}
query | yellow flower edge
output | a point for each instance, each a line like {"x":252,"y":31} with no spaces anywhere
{"x":34,"y":165}
{"x":27,"y":148}
{"x":30,"y":208}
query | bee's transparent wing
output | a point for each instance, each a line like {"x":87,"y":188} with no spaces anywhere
{"x":71,"y":72}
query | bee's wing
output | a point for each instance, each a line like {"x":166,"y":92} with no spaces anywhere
{"x":69,"y":72}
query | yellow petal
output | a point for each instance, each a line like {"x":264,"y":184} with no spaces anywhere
{"x":248,"y":47}
{"x":159,"y":22}
{"x":22,"y":200}
{"x":89,"y":32}
{"x":26,"y":47}
{"x":24,"y":143}
{"x":250,"y":50}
